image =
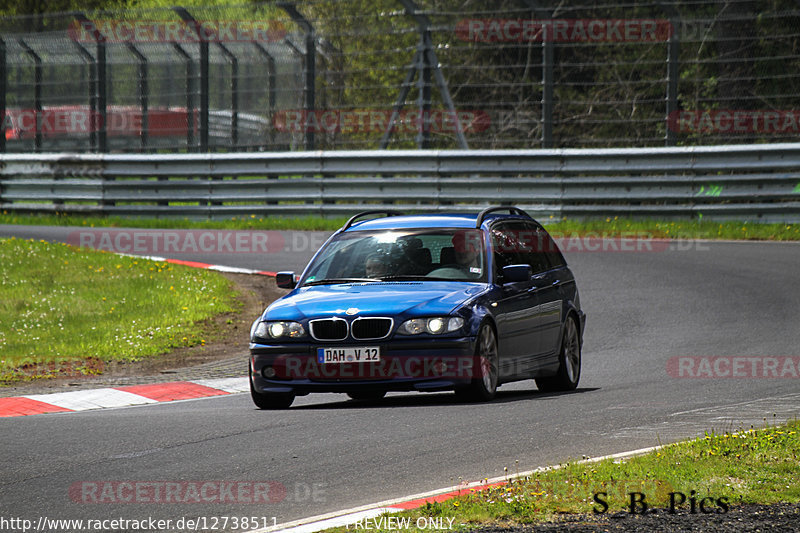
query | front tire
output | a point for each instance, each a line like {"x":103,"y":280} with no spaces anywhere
{"x":484,"y":386}
{"x":270,"y":400}
{"x":569,"y":359}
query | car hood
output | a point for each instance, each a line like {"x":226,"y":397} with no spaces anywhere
{"x":376,"y":299}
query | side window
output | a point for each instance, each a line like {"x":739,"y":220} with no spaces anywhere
{"x":517,"y":243}
{"x":531,"y":244}
{"x":505,"y":246}
{"x":525,"y":243}
{"x":553,"y":253}
{"x":543,"y":253}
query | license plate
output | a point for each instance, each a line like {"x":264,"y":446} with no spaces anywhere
{"x":367,"y":354}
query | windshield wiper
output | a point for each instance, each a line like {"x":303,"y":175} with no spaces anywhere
{"x":404,"y":277}
{"x":331,"y":281}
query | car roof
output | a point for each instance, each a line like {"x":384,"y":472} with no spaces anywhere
{"x":443,"y":220}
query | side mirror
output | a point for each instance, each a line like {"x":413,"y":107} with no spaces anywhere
{"x":516,"y":273}
{"x":285,"y":280}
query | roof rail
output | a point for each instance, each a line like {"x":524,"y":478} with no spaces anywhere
{"x":386,"y":212}
{"x":511,"y":210}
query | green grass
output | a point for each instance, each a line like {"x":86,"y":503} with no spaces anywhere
{"x":608,"y":227}
{"x":61,"y":307}
{"x":690,"y":229}
{"x":753,"y":466}
{"x":236,"y":223}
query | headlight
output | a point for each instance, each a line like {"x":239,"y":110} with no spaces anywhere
{"x":434,"y":325}
{"x":279,"y":330}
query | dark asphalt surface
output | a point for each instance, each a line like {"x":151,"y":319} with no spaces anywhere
{"x":700,"y":299}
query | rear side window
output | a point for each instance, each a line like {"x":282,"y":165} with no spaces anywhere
{"x":548,"y":247}
{"x":519,"y":243}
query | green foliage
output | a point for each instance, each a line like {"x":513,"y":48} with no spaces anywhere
{"x":59,"y":305}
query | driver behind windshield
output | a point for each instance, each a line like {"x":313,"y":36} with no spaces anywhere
{"x":467,"y":250}
{"x":375,"y":266}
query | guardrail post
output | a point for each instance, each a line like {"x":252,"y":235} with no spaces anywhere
{"x":309,"y":66}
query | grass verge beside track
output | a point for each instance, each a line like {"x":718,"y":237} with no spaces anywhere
{"x":718,"y":472}
{"x":608,"y":227}
{"x":64,"y":310}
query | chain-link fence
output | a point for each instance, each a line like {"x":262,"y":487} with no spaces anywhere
{"x":148,"y":80}
{"x":357,"y":74}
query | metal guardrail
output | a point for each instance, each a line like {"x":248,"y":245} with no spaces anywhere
{"x":745,"y":182}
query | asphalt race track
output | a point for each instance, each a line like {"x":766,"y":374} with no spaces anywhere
{"x":701,"y":299}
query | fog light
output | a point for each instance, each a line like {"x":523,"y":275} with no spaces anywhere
{"x":268,"y":372}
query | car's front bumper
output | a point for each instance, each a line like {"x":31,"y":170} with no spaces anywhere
{"x":407,"y":365}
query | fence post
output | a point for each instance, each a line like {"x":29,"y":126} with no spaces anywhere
{"x":143,"y":94}
{"x":100,"y":120}
{"x":424,"y":94}
{"x":102,"y":111}
{"x":309,"y":67}
{"x":203,"y":38}
{"x":234,"y":93}
{"x":92,"y":93}
{"x":548,"y":53}
{"x":548,"y":48}
{"x":37,"y":94}
{"x":673,"y":59}
{"x":189,"y":97}
{"x":271,"y":80}
{"x":672,"y":80}
{"x":3,"y":86}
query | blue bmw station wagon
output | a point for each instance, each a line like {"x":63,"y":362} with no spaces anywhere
{"x":462,"y":302}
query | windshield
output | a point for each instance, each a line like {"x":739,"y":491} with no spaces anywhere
{"x":430,"y":254}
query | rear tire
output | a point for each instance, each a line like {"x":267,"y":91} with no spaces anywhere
{"x":484,"y":386}
{"x":569,"y":358}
